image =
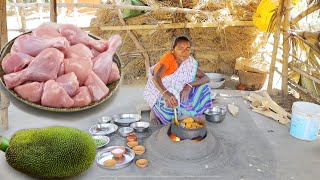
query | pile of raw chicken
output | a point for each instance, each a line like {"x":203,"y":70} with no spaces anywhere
{"x":61,"y":66}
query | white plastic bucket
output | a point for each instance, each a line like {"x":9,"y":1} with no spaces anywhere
{"x":305,"y":120}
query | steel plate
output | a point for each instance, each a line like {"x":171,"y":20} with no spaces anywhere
{"x":106,"y":155}
{"x":126,"y":119}
{"x":103,"y":129}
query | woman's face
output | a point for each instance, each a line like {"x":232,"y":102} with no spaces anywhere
{"x":182,"y":50}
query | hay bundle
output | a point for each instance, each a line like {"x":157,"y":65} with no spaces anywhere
{"x":216,"y":49}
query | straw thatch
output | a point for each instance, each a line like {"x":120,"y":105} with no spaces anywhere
{"x":216,"y":49}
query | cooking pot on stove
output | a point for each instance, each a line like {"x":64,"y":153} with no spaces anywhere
{"x":186,"y":133}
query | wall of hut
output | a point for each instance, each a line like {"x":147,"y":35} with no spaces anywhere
{"x":216,"y":49}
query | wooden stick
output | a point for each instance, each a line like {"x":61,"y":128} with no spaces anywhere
{"x":286,"y":47}
{"x":299,"y":88}
{"x":53,"y":11}
{"x":23,"y":17}
{"x":300,"y":61}
{"x":17,"y":14}
{"x":313,"y":37}
{"x":271,"y":114}
{"x":304,"y":73}
{"x":305,"y":13}
{"x":4,"y":104}
{"x":115,"y":6}
{"x":274,"y":106}
{"x":169,"y":26}
{"x":3,"y":24}
{"x":312,"y":46}
{"x":136,"y":42}
{"x":275,"y":47}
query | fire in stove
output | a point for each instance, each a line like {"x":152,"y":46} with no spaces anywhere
{"x":177,"y":139}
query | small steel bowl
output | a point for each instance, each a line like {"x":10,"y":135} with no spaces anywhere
{"x":215,"y":114}
{"x":104,"y":138}
{"x":124,"y":131}
{"x":140,"y":126}
{"x":104,"y":120}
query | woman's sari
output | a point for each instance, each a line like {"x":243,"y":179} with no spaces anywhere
{"x":199,"y":98}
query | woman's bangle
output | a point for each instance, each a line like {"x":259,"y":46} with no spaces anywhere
{"x":164,"y":92}
{"x":189,"y":85}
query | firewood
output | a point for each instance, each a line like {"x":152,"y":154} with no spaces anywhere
{"x":271,"y":114}
{"x":275,"y":107}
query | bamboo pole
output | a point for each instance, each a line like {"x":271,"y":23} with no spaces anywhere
{"x":169,"y":26}
{"x":136,"y":42}
{"x":166,"y":49}
{"x":3,"y":24}
{"x":116,"y":6}
{"x":312,"y":46}
{"x":23,"y":18}
{"x":299,"y":88}
{"x":305,"y":13}
{"x":40,"y":10}
{"x":17,"y":14}
{"x":286,"y":47}
{"x":275,"y":47}
{"x":300,"y":61}
{"x":75,"y":12}
{"x":316,"y":80}
{"x":313,"y":37}
{"x":53,"y":11}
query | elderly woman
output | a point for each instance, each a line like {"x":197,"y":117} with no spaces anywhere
{"x":176,"y":81}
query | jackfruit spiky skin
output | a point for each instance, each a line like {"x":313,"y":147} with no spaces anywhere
{"x":52,"y":152}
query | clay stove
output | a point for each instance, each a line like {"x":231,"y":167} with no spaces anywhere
{"x":165,"y":145}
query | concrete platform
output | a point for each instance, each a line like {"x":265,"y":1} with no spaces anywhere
{"x":254,"y":146}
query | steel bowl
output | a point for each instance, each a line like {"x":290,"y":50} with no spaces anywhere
{"x":216,"y":80}
{"x":185,"y":133}
{"x":124,"y":131}
{"x":140,"y":126}
{"x":215,"y":114}
{"x":105,"y":138}
{"x":126,"y":119}
{"x":104,"y":120}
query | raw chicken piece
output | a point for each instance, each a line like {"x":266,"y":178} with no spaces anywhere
{"x":115,"y":74}
{"x":14,"y":62}
{"x":103,"y":63}
{"x":30,"y":91}
{"x":69,"y":83}
{"x":82,"y":98}
{"x":78,"y":50}
{"x":33,"y":45}
{"x":42,"y":68}
{"x":55,"y":96}
{"x":61,"y":69}
{"x":75,"y":35}
{"x":94,"y":52}
{"x":80,"y":66}
{"x":46,"y":30}
{"x":96,"y":87}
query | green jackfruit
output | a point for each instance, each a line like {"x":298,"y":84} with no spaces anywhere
{"x":52,"y":152}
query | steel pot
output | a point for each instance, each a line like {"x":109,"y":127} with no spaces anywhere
{"x":185,"y":133}
{"x":215,"y":114}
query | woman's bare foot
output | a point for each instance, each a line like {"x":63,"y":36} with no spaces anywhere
{"x":153,"y":118}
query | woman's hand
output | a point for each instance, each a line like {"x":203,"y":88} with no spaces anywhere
{"x":170,"y":99}
{"x":184,"y":95}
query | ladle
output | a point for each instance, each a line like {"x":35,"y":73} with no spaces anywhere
{"x":175,"y":117}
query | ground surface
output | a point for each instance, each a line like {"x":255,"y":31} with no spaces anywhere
{"x":254,"y":147}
